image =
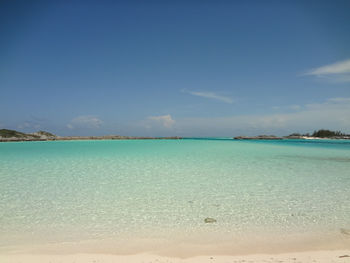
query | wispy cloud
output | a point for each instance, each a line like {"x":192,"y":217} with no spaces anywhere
{"x":339,"y":100}
{"x":293,"y":107}
{"x":338,"y":72}
{"x":27,"y":125}
{"x":85,"y":121}
{"x":33,"y":123}
{"x":331,"y":114}
{"x":165,"y":120}
{"x":209,"y":95}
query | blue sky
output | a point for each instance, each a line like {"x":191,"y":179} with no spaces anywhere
{"x":188,"y":68}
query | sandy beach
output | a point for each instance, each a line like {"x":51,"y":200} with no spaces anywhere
{"x":310,"y":256}
{"x":158,"y":251}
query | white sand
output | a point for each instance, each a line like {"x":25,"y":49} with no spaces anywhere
{"x":326,"y":250}
{"x":311,"y":256}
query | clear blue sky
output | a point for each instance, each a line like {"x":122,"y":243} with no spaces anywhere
{"x":189,"y":68}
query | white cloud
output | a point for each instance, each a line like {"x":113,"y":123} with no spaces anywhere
{"x":29,"y":125}
{"x":85,"y":121}
{"x":335,"y":68}
{"x":337,"y":72}
{"x":332,"y":114}
{"x":339,"y":100}
{"x":165,"y":120}
{"x":294,"y":107}
{"x":209,"y":95}
{"x":23,"y":125}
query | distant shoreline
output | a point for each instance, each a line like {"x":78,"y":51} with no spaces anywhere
{"x":16,"y":136}
{"x":86,"y":138}
{"x":264,"y":137}
{"x":101,"y":138}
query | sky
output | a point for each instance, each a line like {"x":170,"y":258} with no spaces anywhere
{"x":166,"y":68}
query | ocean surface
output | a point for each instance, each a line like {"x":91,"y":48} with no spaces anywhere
{"x":131,"y":196}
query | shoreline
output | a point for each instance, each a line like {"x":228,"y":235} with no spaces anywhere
{"x":321,"y":256}
{"x":7,"y":135}
{"x":87,"y":138}
{"x":106,"y":138}
{"x":181,"y":247}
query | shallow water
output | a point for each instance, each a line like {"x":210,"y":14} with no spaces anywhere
{"x":110,"y":191}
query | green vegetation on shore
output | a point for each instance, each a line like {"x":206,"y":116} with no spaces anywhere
{"x":327,"y":134}
{"x":5,"y":133}
{"x":321,"y":134}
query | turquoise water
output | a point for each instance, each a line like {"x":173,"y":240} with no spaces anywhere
{"x":74,"y":191}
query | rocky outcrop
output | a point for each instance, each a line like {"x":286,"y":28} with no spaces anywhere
{"x":5,"y":133}
{"x":209,"y":220}
{"x":15,"y":136}
{"x":345,"y":231}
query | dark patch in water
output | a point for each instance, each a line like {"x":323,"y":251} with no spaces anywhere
{"x":318,"y":158}
{"x":345,"y":231}
{"x":209,"y":220}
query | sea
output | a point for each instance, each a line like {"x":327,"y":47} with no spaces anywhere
{"x":174,"y":197}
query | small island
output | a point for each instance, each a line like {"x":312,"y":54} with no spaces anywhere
{"x":320,"y":134}
{"x":16,"y":136}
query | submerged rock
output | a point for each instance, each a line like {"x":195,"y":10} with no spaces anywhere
{"x":209,"y":220}
{"x":345,"y":231}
